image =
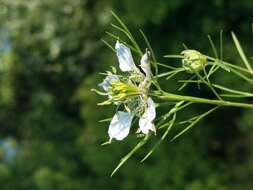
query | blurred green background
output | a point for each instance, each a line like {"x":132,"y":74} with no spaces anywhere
{"x":50,"y":56}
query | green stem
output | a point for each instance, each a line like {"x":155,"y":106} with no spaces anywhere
{"x":175,"y":97}
{"x":230,"y":65}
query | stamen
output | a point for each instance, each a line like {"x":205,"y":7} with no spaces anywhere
{"x":120,"y":91}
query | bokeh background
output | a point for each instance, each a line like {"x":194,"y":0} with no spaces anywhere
{"x":50,"y":57}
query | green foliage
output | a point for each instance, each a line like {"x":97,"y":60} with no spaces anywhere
{"x":47,"y":107}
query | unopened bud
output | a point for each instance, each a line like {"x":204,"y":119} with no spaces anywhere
{"x":193,"y":61}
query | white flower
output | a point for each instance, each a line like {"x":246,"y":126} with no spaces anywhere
{"x":146,"y":121}
{"x":132,"y":93}
{"x":120,"y":125}
{"x":126,"y":62}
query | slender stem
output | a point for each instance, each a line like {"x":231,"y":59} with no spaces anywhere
{"x":175,"y":97}
{"x":125,"y":158}
{"x":208,"y":83}
{"x":234,"y":69}
{"x":231,"y":65}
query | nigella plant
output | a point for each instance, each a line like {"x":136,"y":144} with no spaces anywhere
{"x":132,"y":94}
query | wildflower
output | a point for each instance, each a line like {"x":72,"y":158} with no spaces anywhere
{"x":193,"y":60}
{"x":131,"y":91}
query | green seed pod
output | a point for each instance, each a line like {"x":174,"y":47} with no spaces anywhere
{"x":193,"y":60}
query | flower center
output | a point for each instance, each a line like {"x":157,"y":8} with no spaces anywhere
{"x":120,"y":91}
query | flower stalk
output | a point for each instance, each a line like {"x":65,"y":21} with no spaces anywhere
{"x":175,"y":97}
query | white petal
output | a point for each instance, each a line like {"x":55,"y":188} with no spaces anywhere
{"x":107,"y":81}
{"x":126,"y":62}
{"x":151,"y":109}
{"x":146,"y":120}
{"x":120,"y":125}
{"x":145,"y":64}
{"x":145,"y":125}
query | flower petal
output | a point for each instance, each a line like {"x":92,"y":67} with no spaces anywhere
{"x":145,"y":125}
{"x":120,"y":125}
{"x":145,"y":64}
{"x":107,"y":81}
{"x":126,"y":62}
{"x":146,"y":120}
{"x":151,"y":109}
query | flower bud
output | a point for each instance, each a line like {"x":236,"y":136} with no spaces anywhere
{"x":193,"y":61}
